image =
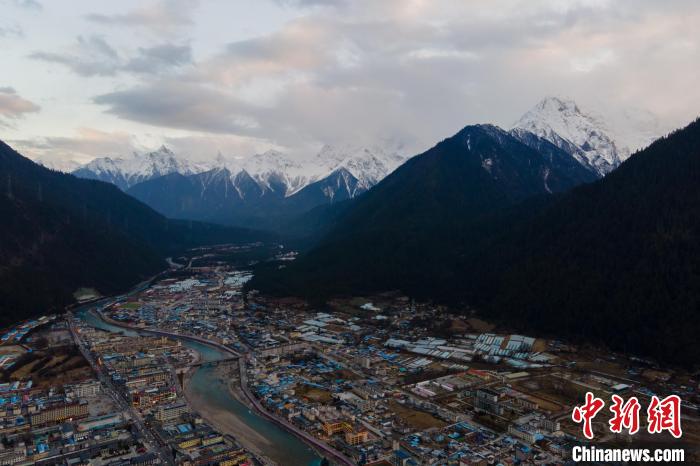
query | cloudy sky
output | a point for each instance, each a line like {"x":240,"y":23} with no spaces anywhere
{"x":85,"y":78}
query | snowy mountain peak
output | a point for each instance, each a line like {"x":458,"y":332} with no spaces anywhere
{"x":585,"y":136}
{"x":279,"y":172}
{"x":164,"y":150}
{"x":271,"y":171}
{"x":368,"y":165}
{"x":59,"y":165}
{"x":126,"y":172}
{"x":558,"y":104}
{"x":598,"y":142}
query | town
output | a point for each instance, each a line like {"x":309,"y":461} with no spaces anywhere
{"x":380,"y":380}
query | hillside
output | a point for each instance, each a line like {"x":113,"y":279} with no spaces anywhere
{"x":401,"y":233}
{"x":613,"y":262}
{"x":62,"y":233}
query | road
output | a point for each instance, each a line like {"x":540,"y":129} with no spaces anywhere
{"x":251,"y":398}
{"x":313,"y":441}
{"x":321,"y":446}
{"x":120,"y":399}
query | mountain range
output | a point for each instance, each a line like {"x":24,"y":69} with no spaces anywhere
{"x":127,"y":172}
{"x":470,"y":223}
{"x":62,"y":233}
{"x":261,"y":191}
{"x":270,"y":189}
{"x":566,"y":224}
{"x":433,"y":200}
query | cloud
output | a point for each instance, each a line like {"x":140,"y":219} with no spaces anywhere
{"x":28,"y":4}
{"x":418,"y":71}
{"x":83,"y":146}
{"x":299,"y":47}
{"x":89,"y":143}
{"x":331,"y":71}
{"x":206,"y":146}
{"x":162,"y":17}
{"x":312,"y":3}
{"x":93,"y":56}
{"x":11,"y":30}
{"x":153,"y":60}
{"x":180,"y":105}
{"x":13,"y":106}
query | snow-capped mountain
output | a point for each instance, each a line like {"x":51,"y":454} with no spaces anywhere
{"x":339,"y":172}
{"x":280,"y":173}
{"x":271,"y":171}
{"x":126,"y":172}
{"x":600,"y":143}
{"x":582,"y":135}
{"x":64,"y":166}
{"x":369,"y":165}
{"x":265,"y":189}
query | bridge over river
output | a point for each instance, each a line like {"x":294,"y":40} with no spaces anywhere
{"x":217,"y":362}
{"x":288,"y":450}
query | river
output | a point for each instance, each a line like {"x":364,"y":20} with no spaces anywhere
{"x":279,"y":445}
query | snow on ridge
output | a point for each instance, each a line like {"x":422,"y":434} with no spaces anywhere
{"x":128,"y":171}
{"x":596,"y":141}
{"x":64,"y":166}
{"x":271,"y":170}
{"x":367,"y":165}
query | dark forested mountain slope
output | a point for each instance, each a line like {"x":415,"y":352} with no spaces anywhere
{"x":221,"y":196}
{"x":615,"y":262}
{"x":400,"y":233}
{"x":60,"y":233}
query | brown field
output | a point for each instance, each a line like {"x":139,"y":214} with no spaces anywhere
{"x":540,"y":345}
{"x":12,"y":349}
{"x":549,"y":394}
{"x":547,"y":403}
{"x":61,"y":365}
{"x":343,"y":374}
{"x":24,"y":371}
{"x":313,"y":393}
{"x":415,"y":418}
{"x":479,"y":325}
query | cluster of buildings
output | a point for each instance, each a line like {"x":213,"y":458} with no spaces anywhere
{"x":73,"y":423}
{"x":389,"y":381}
{"x":366,"y":380}
{"x":380,"y":381}
{"x":147,"y":372}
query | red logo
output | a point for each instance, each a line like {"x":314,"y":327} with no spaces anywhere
{"x":625,"y":415}
{"x":662,"y":415}
{"x":665,"y":415}
{"x":586,"y":413}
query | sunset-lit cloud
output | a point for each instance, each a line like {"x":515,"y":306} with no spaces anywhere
{"x":13,"y":106}
{"x":234,"y":77}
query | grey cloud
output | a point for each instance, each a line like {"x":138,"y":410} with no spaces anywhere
{"x":84,"y":145}
{"x":13,"y":106}
{"x":179,"y":105}
{"x":93,"y":56}
{"x":312,"y":3}
{"x":11,"y":30}
{"x":418,"y":72}
{"x":29,"y":4}
{"x":159,"y":58}
{"x":161,"y":17}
